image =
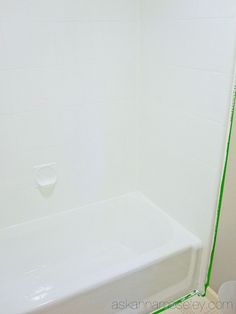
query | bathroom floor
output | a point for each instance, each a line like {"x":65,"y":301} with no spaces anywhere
{"x":196,"y":305}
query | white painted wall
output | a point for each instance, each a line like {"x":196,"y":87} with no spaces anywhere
{"x":67,"y":95}
{"x":187,"y":58}
{"x":224,"y":268}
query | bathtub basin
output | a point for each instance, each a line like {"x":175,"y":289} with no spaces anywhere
{"x":123,"y":255}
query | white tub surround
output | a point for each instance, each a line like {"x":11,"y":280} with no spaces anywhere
{"x":114,"y":118}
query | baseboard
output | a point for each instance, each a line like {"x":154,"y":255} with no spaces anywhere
{"x":212,"y":295}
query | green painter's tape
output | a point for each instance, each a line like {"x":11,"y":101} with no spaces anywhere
{"x":180,"y":300}
{"x":219,"y":206}
{"x":220,"y":198}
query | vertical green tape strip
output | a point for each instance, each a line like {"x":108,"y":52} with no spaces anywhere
{"x":222,"y":186}
{"x":220,"y":199}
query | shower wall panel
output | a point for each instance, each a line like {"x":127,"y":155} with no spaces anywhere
{"x":187,"y":61}
{"x":68,"y":77}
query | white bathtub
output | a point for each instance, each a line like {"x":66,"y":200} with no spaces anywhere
{"x":90,"y":260}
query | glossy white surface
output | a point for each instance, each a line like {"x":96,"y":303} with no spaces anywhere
{"x":187,"y":66}
{"x":121,"y":95}
{"x":61,"y":257}
{"x":68,"y":72}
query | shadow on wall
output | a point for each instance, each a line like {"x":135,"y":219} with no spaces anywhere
{"x":225,"y":255}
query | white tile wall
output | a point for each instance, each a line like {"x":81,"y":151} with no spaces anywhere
{"x":188,"y":9}
{"x":167,"y":85}
{"x":68,"y":94}
{"x":195,"y":138}
{"x":187,"y":62}
{"x":206,"y":44}
{"x":72,"y":9}
{"x":67,"y":76}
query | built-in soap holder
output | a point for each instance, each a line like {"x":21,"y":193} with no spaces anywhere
{"x":45,"y":176}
